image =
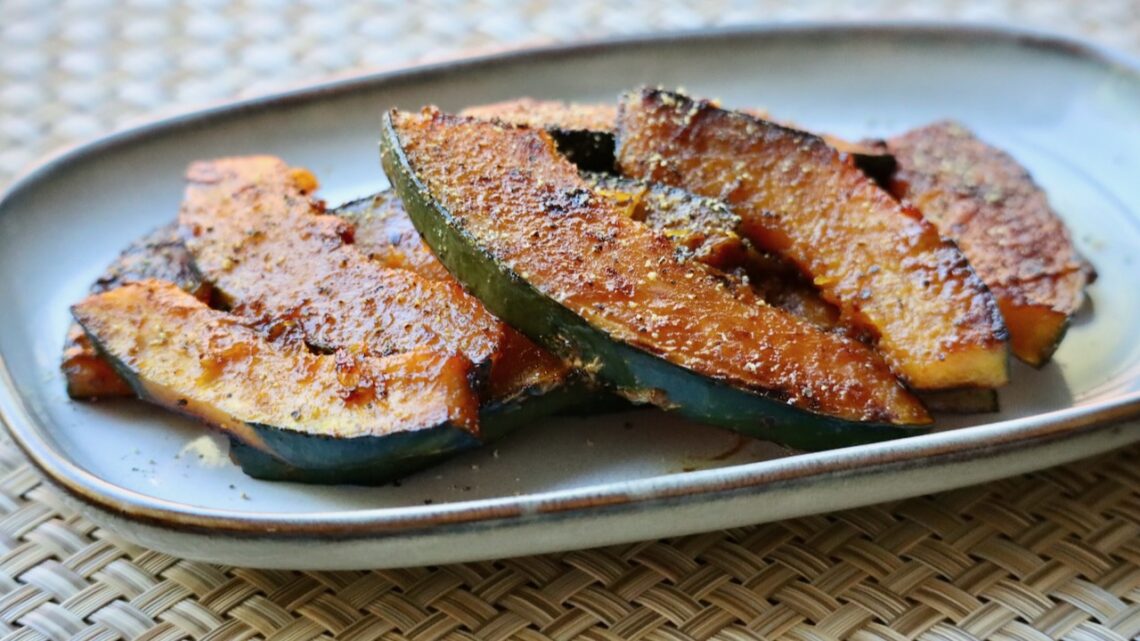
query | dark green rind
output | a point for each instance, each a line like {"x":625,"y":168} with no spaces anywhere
{"x":632,"y":372}
{"x":260,"y":465}
{"x":388,"y":456}
{"x":496,"y":421}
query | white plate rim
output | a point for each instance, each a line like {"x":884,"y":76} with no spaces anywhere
{"x":943,"y":447}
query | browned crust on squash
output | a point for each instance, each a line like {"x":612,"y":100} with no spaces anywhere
{"x":192,"y":359}
{"x":157,"y":255}
{"x":384,"y":233}
{"x":885,"y":268}
{"x":983,"y":199}
{"x":536,"y":215}
{"x":273,"y":255}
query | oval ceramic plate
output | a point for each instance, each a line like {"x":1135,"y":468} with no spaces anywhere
{"x":1068,"y":112}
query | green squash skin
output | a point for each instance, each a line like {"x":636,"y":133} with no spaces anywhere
{"x":495,"y":421}
{"x":385,"y":456}
{"x":632,"y":372}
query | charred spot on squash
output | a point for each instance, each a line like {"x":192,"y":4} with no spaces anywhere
{"x":885,"y":269}
{"x":983,"y":199}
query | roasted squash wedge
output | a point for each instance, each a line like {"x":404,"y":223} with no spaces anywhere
{"x":273,"y":255}
{"x":157,"y":255}
{"x":326,"y":413}
{"x":384,"y":233}
{"x":982,"y":199}
{"x":885,"y":268}
{"x":705,"y":230}
{"x":513,"y":219}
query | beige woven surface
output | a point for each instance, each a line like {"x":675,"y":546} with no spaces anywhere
{"x":1042,"y":556}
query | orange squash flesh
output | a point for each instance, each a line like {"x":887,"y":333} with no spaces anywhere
{"x":191,"y":359}
{"x":384,"y":233}
{"x":705,"y":228}
{"x":531,"y":211}
{"x":273,"y":255}
{"x":157,"y":255}
{"x":981,"y":198}
{"x":887,"y":270}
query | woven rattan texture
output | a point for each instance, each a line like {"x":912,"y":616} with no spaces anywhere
{"x":1041,"y":556}
{"x":1049,"y":555}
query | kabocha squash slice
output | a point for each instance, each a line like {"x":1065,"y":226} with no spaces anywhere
{"x":885,"y":268}
{"x":157,"y":255}
{"x":704,"y":229}
{"x":513,"y":219}
{"x":981,"y":198}
{"x":584,"y":133}
{"x":329,"y":414}
{"x":272,"y":254}
{"x":383,"y":232}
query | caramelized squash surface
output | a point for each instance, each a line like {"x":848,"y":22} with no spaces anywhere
{"x":504,"y":193}
{"x":985,"y":201}
{"x":273,"y":255}
{"x":384,"y":233}
{"x":703,"y":228}
{"x":182,"y":355}
{"x":886,"y":269}
{"x":157,"y":255}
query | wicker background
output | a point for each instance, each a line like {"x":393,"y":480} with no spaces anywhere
{"x":1042,"y":556}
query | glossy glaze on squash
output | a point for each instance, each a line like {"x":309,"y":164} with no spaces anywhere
{"x":273,"y":255}
{"x":384,"y":233}
{"x":331,"y":410}
{"x":881,"y":264}
{"x":157,"y":255}
{"x":981,"y":198}
{"x":513,"y":219}
{"x":704,"y":230}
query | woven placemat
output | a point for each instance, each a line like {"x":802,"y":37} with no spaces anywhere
{"x":1055,"y":554}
